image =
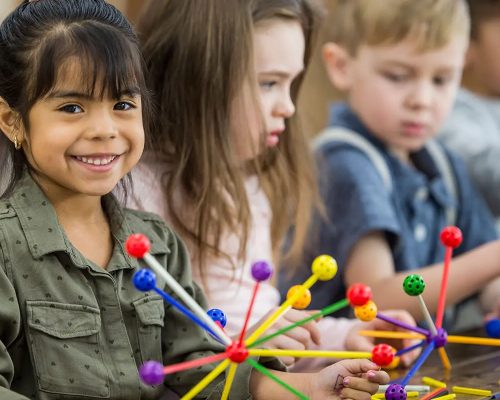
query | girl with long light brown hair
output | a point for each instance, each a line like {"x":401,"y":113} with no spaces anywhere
{"x":228,"y":166}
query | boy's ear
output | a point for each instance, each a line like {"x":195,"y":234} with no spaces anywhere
{"x":9,"y":122}
{"x":337,"y":62}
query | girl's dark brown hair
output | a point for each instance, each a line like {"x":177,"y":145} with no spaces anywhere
{"x":36,"y":40}
{"x":199,"y":55}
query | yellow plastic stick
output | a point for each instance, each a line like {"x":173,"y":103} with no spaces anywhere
{"x":444,"y":358}
{"x":391,"y":334}
{"x":433,"y":382}
{"x":229,"y":381}
{"x":206,"y":380}
{"x":446,"y":397}
{"x":412,"y":394}
{"x":309,"y":353}
{"x":450,"y":339}
{"x":280,"y":311}
{"x":474,"y":340}
{"x":474,"y":391}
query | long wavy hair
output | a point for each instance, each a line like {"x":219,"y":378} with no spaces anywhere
{"x":200,"y":55}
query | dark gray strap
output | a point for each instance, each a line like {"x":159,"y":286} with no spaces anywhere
{"x":443,"y":164}
{"x":347,"y":136}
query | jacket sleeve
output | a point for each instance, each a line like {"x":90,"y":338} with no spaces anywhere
{"x":10,"y":323}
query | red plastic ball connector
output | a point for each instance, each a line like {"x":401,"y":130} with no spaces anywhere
{"x":451,"y":236}
{"x":137,"y":245}
{"x":382,"y":354}
{"x":237,"y":352}
{"x":359,"y":294}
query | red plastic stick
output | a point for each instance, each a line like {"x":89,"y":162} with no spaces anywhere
{"x":451,"y":237}
{"x":249,"y":312}
{"x":171,"y":369}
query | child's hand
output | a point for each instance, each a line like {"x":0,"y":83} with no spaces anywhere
{"x":352,"y":379}
{"x":356,"y":342}
{"x":299,"y":338}
{"x":495,"y":312}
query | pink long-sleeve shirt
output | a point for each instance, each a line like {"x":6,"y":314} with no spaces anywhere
{"x":225,"y":288}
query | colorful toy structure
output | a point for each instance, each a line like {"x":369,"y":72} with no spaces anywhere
{"x":323,"y":268}
{"x":435,"y":337}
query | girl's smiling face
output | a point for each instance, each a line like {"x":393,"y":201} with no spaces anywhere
{"x":80,"y":143}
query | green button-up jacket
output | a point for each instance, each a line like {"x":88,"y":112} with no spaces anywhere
{"x":72,"y":330}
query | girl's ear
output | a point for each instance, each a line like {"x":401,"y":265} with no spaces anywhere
{"x":337,"y":63}
{"x":9,"y":123}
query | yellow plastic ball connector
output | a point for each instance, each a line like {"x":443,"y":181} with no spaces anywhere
{"x":324,"y":267}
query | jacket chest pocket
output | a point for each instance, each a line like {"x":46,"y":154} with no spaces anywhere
{"x":65,"y":349}
{"x":150,"y":314}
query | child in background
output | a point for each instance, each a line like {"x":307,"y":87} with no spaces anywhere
{"x":229,"y":168}
{"x":72,"y":325}
{"x":400,"y":63}
{"x":473,"y":127}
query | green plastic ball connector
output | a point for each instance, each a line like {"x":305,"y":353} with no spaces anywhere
{"x":414,"y":285}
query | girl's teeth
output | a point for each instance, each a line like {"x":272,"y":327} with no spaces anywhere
{"x":96,"y":161}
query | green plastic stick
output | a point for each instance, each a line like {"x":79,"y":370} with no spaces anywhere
{"x":264,"y":371}
{"x":325,"y":311}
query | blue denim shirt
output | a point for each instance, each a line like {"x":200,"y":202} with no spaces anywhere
{"x":411,"y":216}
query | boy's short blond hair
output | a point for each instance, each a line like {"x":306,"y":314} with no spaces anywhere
{"x":375,"y":22}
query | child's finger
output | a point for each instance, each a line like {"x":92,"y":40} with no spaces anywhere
{"x":376,"y":376}
{"x":360,"y":384}
{"x":310,"y":329}
{"x":349,"y":393}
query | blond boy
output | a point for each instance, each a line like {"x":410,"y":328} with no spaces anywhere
{"x":399,"y":63}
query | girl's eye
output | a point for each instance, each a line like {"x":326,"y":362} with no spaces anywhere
{"x":267,"y":85}
{"x":71,"y":109}
{"x":123,"y":106}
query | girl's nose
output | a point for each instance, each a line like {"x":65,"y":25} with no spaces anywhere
{"x":103,"y":126}
{"x":285,"y":107}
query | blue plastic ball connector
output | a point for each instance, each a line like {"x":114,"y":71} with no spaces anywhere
{"x":218,"y":316}
{"x":144,"y":280}
{"x":493,"y":328}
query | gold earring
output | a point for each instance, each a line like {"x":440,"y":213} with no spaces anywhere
{"x":17,"y":143}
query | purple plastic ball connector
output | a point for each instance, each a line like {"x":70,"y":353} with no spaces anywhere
{"x":440,"y":338}
{"x":261,"y":271}
{"x":395,"y":392}
{"x":151,"y":372}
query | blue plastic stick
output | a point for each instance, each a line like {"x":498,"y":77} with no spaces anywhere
{"x":184,"y":310}
{"x":418,"y":363}
{"x":410,"y":348}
